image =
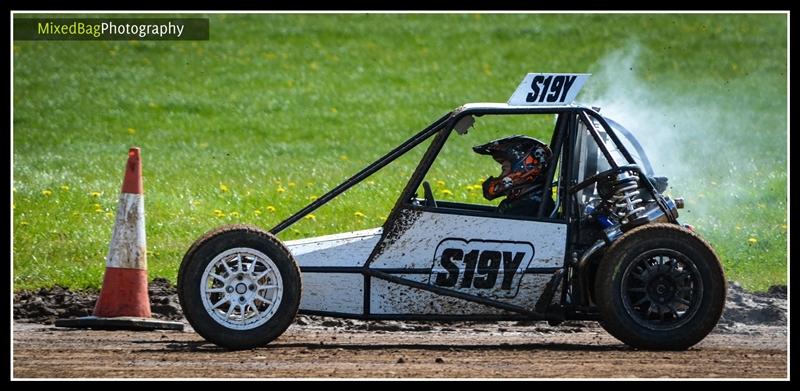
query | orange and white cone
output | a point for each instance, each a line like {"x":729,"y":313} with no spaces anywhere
{"x":124,"y":302}
{"x":125,"y":282}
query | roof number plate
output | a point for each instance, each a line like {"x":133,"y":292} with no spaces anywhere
{"x":548,"y":89}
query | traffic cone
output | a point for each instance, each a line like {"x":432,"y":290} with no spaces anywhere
{"x":124,"y":302}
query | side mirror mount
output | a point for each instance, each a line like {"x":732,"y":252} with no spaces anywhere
{"x":464,"y":124}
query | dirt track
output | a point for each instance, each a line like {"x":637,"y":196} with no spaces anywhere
{"x":504,"y":350}
{"x":749,"y":342}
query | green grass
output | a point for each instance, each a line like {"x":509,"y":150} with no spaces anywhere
{"x":300,"y":102}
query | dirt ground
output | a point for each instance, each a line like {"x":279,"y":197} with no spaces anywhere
{"x":749,"y":342}
{"x":500,"y":350}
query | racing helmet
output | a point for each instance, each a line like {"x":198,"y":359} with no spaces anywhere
{"x":523,"y":160}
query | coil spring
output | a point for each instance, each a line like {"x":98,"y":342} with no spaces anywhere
{"x":625,"y":202}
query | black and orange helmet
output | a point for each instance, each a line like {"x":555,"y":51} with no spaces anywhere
{"x":523,"y":159}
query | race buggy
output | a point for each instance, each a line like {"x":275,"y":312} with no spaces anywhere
{"x":609,"y":249}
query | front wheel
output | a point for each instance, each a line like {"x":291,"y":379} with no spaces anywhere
{"x":239,"y":287}
{"x":660,"y":287}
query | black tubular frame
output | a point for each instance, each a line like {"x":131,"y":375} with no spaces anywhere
{"x":599,"y":141}
{"x":564,"y":137}
{"x":556,"y":143}
{"x":611,"y":134}
{"x":363,"y":174}
{"x":648,"y":168}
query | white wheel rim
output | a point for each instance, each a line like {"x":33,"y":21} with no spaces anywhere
{"x":241,"y":288}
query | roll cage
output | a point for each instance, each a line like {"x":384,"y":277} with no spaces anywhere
{"x":567,"y":209}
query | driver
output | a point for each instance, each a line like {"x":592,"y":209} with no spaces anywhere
{"x":524,"y":160}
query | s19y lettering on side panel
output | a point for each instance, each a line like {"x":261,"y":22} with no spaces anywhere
{"x":485,"y":267}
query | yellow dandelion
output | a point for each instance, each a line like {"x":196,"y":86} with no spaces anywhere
{"x":310,"y":217}
{"x":271,"y":209}
{"x":360,"y":215}
{"x":446,"y":192}
{"x":131,"y":130}
{"x":344,"y":157}
{"x":97,"y":206}
{"x":23,"y":223}
{"x":312,"y":198}
{"x":292,"y":184}
{"x":257,"y":212}
{"x":281,"y":189}
{"x":223,"y":187}
{"x":470,"y":188}
{"x":96,"y":194}
{"x":219,"y":213}
{"x":64,"y":187}
{"x":234,"y":214}
{"x":47,"y":192}
{"x":752,"y":241}
{"x":440,"y":183}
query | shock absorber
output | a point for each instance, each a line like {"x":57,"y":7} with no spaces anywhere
{"x":624,"y":201}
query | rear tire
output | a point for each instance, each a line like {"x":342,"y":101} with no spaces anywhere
{"x":239,"y":287}
{"x":660,"y":287}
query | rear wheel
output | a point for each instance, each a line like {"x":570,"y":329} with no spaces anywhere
{"x":239,"y":287}
{"x":660,"y":287}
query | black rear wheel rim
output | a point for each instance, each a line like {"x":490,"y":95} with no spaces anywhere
{"x":662,"y":289}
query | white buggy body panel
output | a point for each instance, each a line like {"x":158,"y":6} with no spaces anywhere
{"x":332,"y":291}
{"x":504,"y":259}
